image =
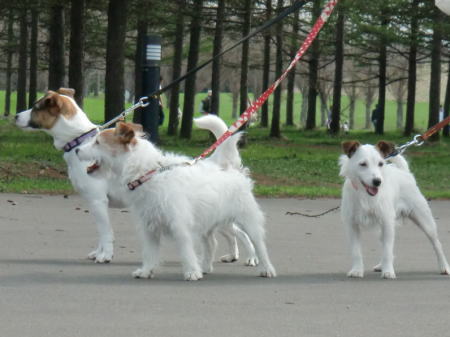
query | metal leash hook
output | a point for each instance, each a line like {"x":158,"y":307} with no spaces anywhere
{"x":142,"y":103}
{"x":416,"y":141}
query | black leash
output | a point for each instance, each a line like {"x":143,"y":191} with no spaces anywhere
{"x":281,"y":16}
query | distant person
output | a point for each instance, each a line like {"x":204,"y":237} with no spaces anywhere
{"x":441,"y":113}
{"x":345,"y":127}
{"x":206,"y":106}
{"x":160,"y":106}
{"x":376,"y":115}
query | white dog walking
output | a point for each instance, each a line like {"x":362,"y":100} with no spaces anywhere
{"x":376,"y":193}
{"x":188,"y":202}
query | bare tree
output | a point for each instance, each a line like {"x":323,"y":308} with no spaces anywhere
{"x":217,"y":48}
{"x":23,"y":57}
{"x":76,"y":56}
{"x":56,"y":67}
{"x":34,"y":51}
{"x":9,"y":52}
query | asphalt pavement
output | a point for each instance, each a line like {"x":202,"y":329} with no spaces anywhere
{"x":49,"y":288}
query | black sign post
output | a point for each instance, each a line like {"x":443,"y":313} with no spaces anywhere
{"x":150,"y":83}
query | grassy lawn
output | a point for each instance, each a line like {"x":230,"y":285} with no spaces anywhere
{"x":301,"y":164}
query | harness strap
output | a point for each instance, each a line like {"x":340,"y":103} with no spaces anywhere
{"x":79,"y":140}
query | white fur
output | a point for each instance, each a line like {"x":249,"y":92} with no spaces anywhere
{"x":98,"y":193}
{"x":397,"y":197}
{"x":186,"y":202}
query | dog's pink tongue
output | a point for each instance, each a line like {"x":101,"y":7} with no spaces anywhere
{"x":372,"y":190}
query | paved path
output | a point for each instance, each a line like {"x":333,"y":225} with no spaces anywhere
{"x":48,"y":288}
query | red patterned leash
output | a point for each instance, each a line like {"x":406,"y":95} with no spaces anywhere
{"x":245,"y":117}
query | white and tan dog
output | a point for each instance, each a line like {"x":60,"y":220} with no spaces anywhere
{"x":377,"y":193}
{"x":58,"y":114}
{"x":188,"y":202}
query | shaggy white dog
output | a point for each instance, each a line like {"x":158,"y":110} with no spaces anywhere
{"x":376,"y":193}
{"x":188,"y":202}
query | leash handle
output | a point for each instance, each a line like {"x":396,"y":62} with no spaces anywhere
{"x":435,"y":128}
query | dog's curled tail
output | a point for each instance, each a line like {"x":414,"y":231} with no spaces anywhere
{"x":212,"y":123}
{"x":400,"y":162}
{"x":227,"y":154}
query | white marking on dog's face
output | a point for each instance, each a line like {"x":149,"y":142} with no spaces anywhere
{"x":366,"y":166}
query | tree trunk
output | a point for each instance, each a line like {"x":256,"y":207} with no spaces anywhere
{"x":446,"y":129}
{"x":23,"y":57}
{"x":176,"y":70}
{"x":339,"y":66}
{"x":275,"y":125}
{"x":190,"y":89}
{"x":382,"y":62}
{"x":56,"y":68}
{"x":313,"y":73}
{"x":435,"y":78}
{"x":304,"y":110}
{"x":412,"y":70}
{"x":10,"y":51}
{"x":77,"y":37}
{"x":115,"y":57}
{"x":399,"y":114}
{"x":266,"y":66}
{"x":369,"y":101}
{"x":142,"y":26}
{"x":34,"y":50}
{"x":352,"y":108}
{"x":217,"y":48}
{"x":243,"y":93}
{"x":291,"y":75}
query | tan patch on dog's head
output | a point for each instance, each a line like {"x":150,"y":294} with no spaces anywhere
{"x":67,"y":91}
{"x":350,"y":147}
{"x":385,"y":148}
{"x":47,"y":110}
{"x":122,"y":135}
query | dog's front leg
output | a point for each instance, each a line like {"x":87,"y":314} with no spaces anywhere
{"x":150,"y":240}
{"x":387,"y":260}
{"x":105,"y":250}
{"x":354,"y":235}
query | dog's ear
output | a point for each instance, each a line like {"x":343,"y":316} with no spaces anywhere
{"x":67,"y":91}
{"x":350,"y":147}
{"x":385,"y":148}
{"x":136,"y":127}
{"x":124,"y":132}
{"x":52,"y":102}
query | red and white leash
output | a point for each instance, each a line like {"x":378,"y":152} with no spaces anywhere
{"x":245,"y":117}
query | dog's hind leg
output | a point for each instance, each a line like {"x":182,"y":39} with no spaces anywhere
{"x":229,"y":234}
{"x":189,"y":260}
{"x":252,"y":259}
{"x":251,"y":220}
{"x":422,"y":217}
{"x":209,"y":244}
{"x":105,"y":250}
{"x":150,"y":240}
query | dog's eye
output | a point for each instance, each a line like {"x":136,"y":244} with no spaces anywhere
{"x":364,"y":164}
{"x":380,"y":164}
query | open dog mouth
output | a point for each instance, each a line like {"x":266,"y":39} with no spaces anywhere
{"x":371,"y":190}
{"x":92,"y":168}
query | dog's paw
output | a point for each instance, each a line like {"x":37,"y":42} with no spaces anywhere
{"x":252,"y":262}
{"x":143,"y":273}
{"x":356,"y":273}
{"x":207,"y":269}
{"x":269,"y":273}
{"x":377,"y":268}
{"x":389,"y":275}
{"x":229,"y":258}
{"x":102,"y":254}
{"x":193,"y":276}
{"x":445,"y":271}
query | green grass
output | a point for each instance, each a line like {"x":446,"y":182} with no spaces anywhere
{"x":301,"y":164}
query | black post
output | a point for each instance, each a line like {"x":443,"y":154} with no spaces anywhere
{"x":150,"y":83}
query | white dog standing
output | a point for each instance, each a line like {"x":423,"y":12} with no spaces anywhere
{"x":376,"y":193}
{"x":188,"y":202}
{"x":58,"y":114}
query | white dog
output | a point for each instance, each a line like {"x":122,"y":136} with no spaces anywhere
{"x":58,"y":114}
{"x":376,"y":193}
{"x":188,"y":202}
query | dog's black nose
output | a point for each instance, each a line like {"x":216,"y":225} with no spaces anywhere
{"x":376,"y":182}
{"x":77,"y":150}
{"x":16,"y":117}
